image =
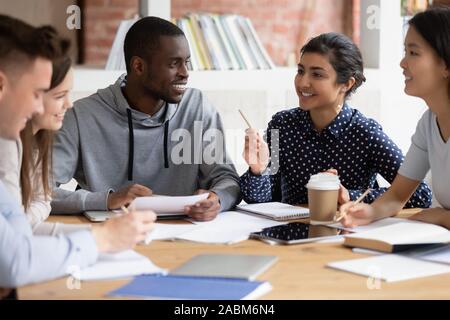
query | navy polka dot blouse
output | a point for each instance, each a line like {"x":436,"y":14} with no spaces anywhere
{"x":352,"y":144}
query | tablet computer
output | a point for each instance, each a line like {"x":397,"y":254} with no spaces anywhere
{"x":296,"y":232}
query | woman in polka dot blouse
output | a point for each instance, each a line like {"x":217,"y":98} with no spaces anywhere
{"x":324,"y":134}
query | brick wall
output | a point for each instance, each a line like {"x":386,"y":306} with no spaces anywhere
{"x":282,"y":25}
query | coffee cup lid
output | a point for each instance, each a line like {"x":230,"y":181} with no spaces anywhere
{"x":324,"y":181}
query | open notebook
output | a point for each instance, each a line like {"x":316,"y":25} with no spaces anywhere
{"x":275,"y":210}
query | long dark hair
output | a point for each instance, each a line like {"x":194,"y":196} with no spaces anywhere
{"x":434,"y":26}
{"x":41,"y":144}
{"x":343,"y":55}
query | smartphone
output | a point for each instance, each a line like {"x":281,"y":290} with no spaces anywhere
{"x":296,"y":232}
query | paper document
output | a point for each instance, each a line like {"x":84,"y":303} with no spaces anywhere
{"x":228,"y":227}
{"x":438,"y":253}
{"x":166,"y":204}
{"x":391,"y":267}
{"x":115,"y":266}
{"x":163,"y":231}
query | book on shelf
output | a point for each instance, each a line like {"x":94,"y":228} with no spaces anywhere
{"x":116,"y":58}
{"x":216,"y":42}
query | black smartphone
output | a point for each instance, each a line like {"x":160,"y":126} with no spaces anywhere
{"x":296,"y":232}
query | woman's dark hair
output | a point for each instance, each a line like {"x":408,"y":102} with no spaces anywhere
{"x":343,"y":55}
{"x":37,"y":148}
{"x":434,"y":26}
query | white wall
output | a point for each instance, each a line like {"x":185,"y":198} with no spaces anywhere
{"x":262,"y":93}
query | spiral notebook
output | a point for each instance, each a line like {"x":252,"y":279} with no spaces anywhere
{"x":275,"y":211}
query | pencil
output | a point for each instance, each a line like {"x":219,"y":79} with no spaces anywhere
{"x":245,"y":119}
{"x":124,"y":209}
{"x":356,"y":202}
{"x":362,"y":196}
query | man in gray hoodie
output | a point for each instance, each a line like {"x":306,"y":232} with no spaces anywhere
{"x":145,"y":134}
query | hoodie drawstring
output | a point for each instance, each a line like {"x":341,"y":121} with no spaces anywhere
{"x":166,"y":134}
{"x":131,"y":145}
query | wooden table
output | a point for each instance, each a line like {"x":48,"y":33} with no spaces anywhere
{"x":300,"y":272}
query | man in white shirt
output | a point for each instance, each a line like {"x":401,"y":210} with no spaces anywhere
{"x":26,"y":55}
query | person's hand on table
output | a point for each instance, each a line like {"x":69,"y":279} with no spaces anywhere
{"x":436,"y":216}
{"x":204,"y":210}
{"x":126,"y":195}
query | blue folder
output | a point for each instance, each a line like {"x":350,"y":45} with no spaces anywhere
{"x":190,"y":288}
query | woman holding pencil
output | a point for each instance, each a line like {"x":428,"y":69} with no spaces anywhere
{"x":426,"y":67}
{"x":323,"y":134}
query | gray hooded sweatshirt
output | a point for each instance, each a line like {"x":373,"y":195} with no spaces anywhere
{"x":106,"y":145}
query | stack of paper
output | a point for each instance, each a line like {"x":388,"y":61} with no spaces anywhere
{"x":120,"y":265}
{"x":227,"y":228}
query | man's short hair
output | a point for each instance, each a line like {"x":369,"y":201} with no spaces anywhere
{"x":21,"y":43}
{"x":143,"y":37}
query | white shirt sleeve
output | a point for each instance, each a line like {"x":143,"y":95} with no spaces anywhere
{"x":10,"y":162}
{"x":26,"y":259}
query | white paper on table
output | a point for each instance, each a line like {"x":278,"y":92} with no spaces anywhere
{"x":166,"y":231}
{"x":116,"y":266}
{"x":373,"y":225}
{"x":440,"y":255}
{"x":367,"y":251}
{"x":214,"y":235}
{"x":335,"y":239}
{"x":228,"y":227}
{"x":167,"y":204}
{"x":234,"y":218}
{"x":391,"y":267}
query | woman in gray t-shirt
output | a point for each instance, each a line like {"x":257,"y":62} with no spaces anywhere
{"x":426,"y":67}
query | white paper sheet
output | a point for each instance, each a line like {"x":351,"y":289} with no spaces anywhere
{"x":166,"y":204}
{"x":227,"y":228}
{"x":373,"y":225}
{"x":116,"y":266}
{"x":391,"y":267}
{"x":167,"y":231}
{"x":441,"y":255}
{"x":232,"y":219}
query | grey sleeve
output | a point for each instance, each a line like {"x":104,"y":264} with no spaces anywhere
{"x":66,"y":162}
{"x":218,"y":173}
{"x":26,"y":259}
{"x":416,"y":164}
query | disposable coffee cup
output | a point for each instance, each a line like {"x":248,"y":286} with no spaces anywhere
{"x":323,"y":191}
